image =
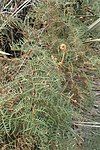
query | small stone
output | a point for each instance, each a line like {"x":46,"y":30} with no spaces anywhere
{"x":96,"y":106}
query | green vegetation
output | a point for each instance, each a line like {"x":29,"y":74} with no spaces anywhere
{"x":46,"y":81}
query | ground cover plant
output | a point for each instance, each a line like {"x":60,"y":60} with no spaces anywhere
{"x":47,"y":72}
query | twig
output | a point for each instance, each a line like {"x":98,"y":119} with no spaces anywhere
{"x":97,"y":123}
{"x":94,"y":24}
{"x":23,"y":5}
{"x":92,"y":40}
{"x":88,"y":124}
{"x":8,"y":4}
{"x":20,"y":7}
{"x":4,"y":53}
